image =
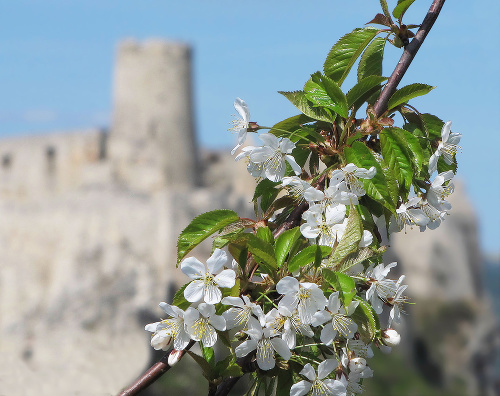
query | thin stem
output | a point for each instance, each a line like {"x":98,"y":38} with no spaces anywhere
{"x":155,"y":372}
{"x":407,"y":57}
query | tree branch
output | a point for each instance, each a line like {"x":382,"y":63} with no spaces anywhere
{"x":155,"y":371}
{"x":409,"y":53}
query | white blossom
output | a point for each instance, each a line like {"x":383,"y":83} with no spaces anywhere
{"x":301,"y":190}
{"x":408,"y":213}
{"x":397,"y":302}
{"x":207,"y":279}
{"x":240,"y":126}
{"x":270,"y":159}
{"x":262,"y":340}
{"x":169,"y":329}
{"x":287,"y":323}
{"x":324,"y":223}
{"x":317,"y":384}
{"x":306,"y":297}
{"x":438,"y":192}
{"x":391,"y":337}
{"x":201,"y":324}
{"x":448,"y":146}
{"x":241,"y":313}
{"x":337,"y":319}
{"x":347,"y":179}
{"x":381,"y":289}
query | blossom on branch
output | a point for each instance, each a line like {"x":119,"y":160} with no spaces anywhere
{"x":317,"y":384}
{"x":207,"y":279}
{"x":240,"y":126}
{"x":448,"y":146}
{"x":241,"y":313}
{"x":201,"y":324}
{"x":169,"y":329}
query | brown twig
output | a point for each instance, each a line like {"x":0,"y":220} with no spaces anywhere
{"x":409,"y":53}
{"x":154,"y":372}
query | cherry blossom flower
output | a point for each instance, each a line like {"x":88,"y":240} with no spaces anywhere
{"x":266,"y":346}
{"x":288,"y":324}
{"x":241,"y":313}
{"x":169,"y":329}
{"x":306,"y":297}
{"x":301,"y":190}
{"x":397,"y":302}
{"x":201,"y":324}
{"x":381,"y":289}
{"x":207,"y":281}
{"x":448,"y":146}
{"x":391,"y":337}
{"x":408,"y":213}
{"x":240,"y":126}
{"x":323,"y":222}
{"x":270,"y":158}
{"x":337,"y":320}
{"x":347,"y":178}
{"x":317,"y":384}
{"x":437,"y":194}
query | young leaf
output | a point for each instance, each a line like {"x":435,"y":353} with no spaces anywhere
{"x":179,"y":299}
{"x":433,"y":125}
{"x":289,"y":125}
{"x":208,"y":354}
{"x":284,"y":243}
{"x":330,"y":97}
{"x":408,"y":92}
{"x":299,"y":100}
{"x":370,"y":63}
{"x":265,"y":234}
{"x":397,"y":157}
{"x":208,"y":372}
{"x":367,"y":321}
{"x":263,"y":253}
{"x":350,"y":240}
{"x":342,"y":283}
{"x":401,"y":8}
{"x":363,"y":90}
{"x":375,"y":187}
{"x":355,"y":258}
{"x":267,"y":193}
{"x":344,"y":53}
{"x":307,"y":256}
{"x":201,"y":228}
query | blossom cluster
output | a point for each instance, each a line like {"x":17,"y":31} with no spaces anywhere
{"x":308,"y":312}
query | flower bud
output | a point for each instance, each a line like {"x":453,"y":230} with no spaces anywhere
{"x":174,"y":357}
{"x":391,"y":337}
{"x":357,"y":364}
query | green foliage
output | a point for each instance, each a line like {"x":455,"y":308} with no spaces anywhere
{"x":376,"y":187}
{"x":263,"y":253}
{"x":179,"y":299}
{"x":342,"y":283}
{"x":403,"y":95}
{"x":299,"y":100}
{"x":367,"y":320}
{"x":363,"y":90}
{"x":401,"y":8}
{"x":350,"y":240}
{"x":307,"y":256}
{"x":346,"y":51}
{"x":267,"y":193}
{"x":397,"y":155}
{"x":284,"y":244}
{"x":370,"y":63}
{"x":265,"y":234}
{"x":325,"y":93}
{"x":201,"y":228}
{"x":286,"y":127}
{"x":354,"y":258}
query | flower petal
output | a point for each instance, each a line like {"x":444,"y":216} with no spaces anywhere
{"x":209,"y":337}
{"x":212,"y":294}
{"x":226,"y":278}
{"x":281,"y":347}
{"x":308,"y":372}
{"x":242,"y":108}
{"x":217,"y":261}
{"x":193,"y":268}
{"x":246,"y":347}
{"x":326,"y":367}
{"x":206,"y":310}
{"x":194,"y":291}
{"x":287,"y":285}
{"x":300,"y":388}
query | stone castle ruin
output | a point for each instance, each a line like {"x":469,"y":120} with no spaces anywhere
{"x":89,"y":225}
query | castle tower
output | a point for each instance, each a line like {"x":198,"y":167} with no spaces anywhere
{"x":152,"y":140}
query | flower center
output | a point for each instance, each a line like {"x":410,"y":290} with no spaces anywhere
{"x":319,"y":388}
{"x":275,"y":161}
{"x":200,"y":327}
{"x":341,"y":323}
{"x":209,"y":280}
{"x":265,"y":351}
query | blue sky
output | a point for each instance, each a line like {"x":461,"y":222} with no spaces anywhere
{"x":56,"y":61}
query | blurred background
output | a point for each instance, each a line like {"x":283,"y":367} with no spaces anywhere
{"x":113,"y":135}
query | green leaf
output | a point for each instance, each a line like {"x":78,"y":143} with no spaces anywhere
{"x":363,"y":90}
{"x":442,"y":166}
{"x":208,"y":372}
{"x":342,"y":283}
{"x":201,"y":228}
{"x":285,"y":382}
{"x":355,"y":258}
{"x":401,"y":8}
{"x":408,"y":92}
{"x":344,"y":53}
{"x":263,"y":253}
{"x":299,"y":100}
{"x":307,"y":256}
{"x":289,"y":125}
{"x":390,"y":181}
{"x":265,"y":234}
{"x":370,"y":63}
{"x":433,"y":125}
{"x":376,"y":187}
{"x":266,"y":191}
{"x":367,"y":321}
{"x":208,"y":354}
{"x":324,"y":92}
{"x":397,"y":156}
{"x":284,"y":243}
{"x":350,"y":240}
{"x":179,"y":299}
